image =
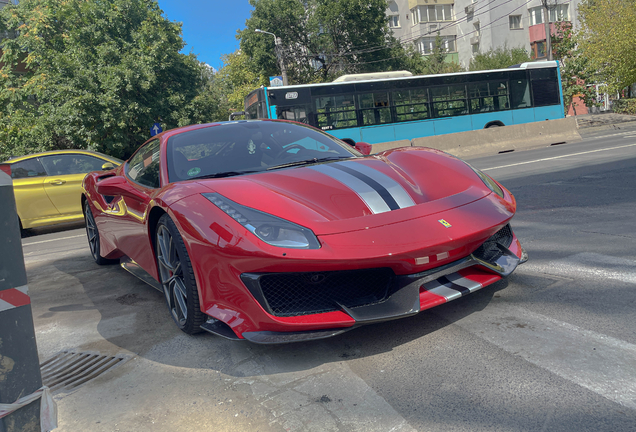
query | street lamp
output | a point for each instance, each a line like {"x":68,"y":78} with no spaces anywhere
{"x":277,"y":49}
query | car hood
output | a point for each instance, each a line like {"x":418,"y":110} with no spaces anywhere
{"x":359,"y":193}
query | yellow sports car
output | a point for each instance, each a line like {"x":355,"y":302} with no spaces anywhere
{"x":48,"y":185}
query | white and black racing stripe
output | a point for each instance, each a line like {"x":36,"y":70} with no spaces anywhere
{"x":378,"y":191}
{"x":452,"y":286}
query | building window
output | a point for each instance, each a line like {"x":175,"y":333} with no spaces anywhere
{"x":427,"y":44}
{"x":515,"y":22}
{"x":559,"y":13}
{"x":436,"y":13}
{"x":475,"y":49}
{"x":536,"y":15}
{"x":394,"y":21}
{"x":538,"y":50}
{"x":415,"y":15}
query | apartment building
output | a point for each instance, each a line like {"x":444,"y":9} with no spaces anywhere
{"x":3,"y":3}
{"x":468,"y":27}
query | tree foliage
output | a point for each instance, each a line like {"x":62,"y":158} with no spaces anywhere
{"x":322,"y":39}
{"x":576,"y":72}
{"x":608,"y":39}
{"x":436,"y":62}
{"x":499,"y":58}
{"x":239,"y":79}
{"x":99,"y":74}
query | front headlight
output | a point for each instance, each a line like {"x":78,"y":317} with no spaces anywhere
{"x":271,"y":229}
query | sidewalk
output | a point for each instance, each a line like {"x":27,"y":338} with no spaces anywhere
{"x":604,"y":121}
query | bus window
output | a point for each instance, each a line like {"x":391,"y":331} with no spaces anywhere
{"x":374,"y":108}
{"x":545,"y":87}
{"x":335,"y":112}
{"x":520,"y":93}
{"x":410,"y":104}
{"x":449,"y":100}
{"x":296,"y":113}
{"x":488,"y":96}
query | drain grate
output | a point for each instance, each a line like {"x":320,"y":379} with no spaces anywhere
{"x":69,"y":370}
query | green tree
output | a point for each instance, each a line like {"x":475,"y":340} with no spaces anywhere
{"x":575,"y":68}
{"x":499,"y":58}
{"x":437,"y":61}
{"x":99,"y":74}
{"x":321,"y":39}
{"x":239,"y":80}
{"x":608,"y":39}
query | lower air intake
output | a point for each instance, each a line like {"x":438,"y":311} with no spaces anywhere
{"x":489,"y":251}
{"x":292,"y":294}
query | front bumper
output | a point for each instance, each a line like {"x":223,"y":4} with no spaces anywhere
{"x":408,"y":294}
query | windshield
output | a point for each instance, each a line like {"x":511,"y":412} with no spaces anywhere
{"x":249,"y":146}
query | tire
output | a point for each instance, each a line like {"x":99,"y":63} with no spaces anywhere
{"x":93,"y":237}
{"x":23,"y":233}
{"x":177,"y":277}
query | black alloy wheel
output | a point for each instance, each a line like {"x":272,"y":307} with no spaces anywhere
{"x":177,"y":277}
{"x":93,"y":237}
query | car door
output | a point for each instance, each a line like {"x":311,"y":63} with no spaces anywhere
{"x":142,"y":172}
{"x":63,"y":184}
{"x":33,"y":204}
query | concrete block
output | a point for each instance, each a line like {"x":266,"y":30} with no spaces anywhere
{"x":380,"y":147}
{"x":503,"y":139}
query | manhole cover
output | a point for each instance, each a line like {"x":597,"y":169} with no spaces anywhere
{"x":69,"y":370}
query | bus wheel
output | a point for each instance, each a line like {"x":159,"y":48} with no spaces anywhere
{"x":492,"y":125}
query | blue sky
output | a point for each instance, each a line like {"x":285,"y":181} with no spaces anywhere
{"x":209,"y":26}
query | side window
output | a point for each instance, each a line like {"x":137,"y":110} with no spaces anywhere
{"x":71,"y":164}
{"x":296,"y":113}
{"x":143,"y":168}
{"x":449,"y":100}
{"x":27,"y":168}
{"x":545,"y":90}
{"x":410,"y":104}
{"x":336,"y":112}
{"x":375,"y":108}
{"x":488,"y":96}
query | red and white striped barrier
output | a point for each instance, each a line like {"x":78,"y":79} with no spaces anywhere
{"x":5,"y":178}
{"x":48,"y":408}
{"x":15,"y":297}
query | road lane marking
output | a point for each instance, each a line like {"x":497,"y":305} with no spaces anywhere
{"x":52,"y":240}
{"x":600,"y":363}
{"x":558,"y":157}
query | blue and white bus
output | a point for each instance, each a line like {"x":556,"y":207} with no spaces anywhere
{"x":407,"y":107}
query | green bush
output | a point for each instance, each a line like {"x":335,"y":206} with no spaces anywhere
{"x":624,"y":106}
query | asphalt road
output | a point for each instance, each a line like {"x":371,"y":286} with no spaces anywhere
{"x":553,"y":348}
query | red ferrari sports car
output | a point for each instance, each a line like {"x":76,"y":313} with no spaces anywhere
{"x":273,"y":231}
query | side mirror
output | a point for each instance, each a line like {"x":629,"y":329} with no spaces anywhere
{"x":108,"y":166}
{"x":364,"y":148}
{"x":118,"y":186}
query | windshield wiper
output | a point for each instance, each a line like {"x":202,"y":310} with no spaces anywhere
{"x":309,"y":162}
{"x":224,"y":174}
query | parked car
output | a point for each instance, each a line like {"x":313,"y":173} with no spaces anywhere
{"x":48,"y":185}
{"x":274,"y":231}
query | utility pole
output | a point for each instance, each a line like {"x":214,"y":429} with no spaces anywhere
{"x":281,"y":59}
{"x":548,"y":35}
{"x":278,"y":50}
